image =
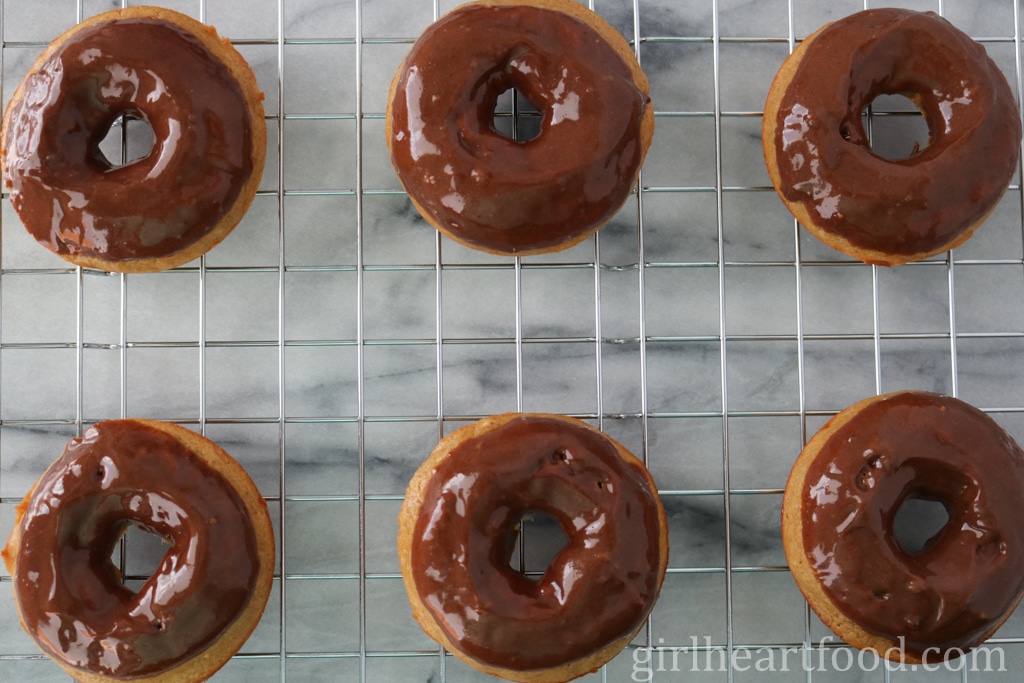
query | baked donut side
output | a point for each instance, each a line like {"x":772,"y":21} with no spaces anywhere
{"x":796,"y":554}
{"x":473,"y":437}
{"x":548,"y":194}
{"x":838,"y":534}
{"x":890,"y":212}
{"x":149,"y":436}
{"x":102,"y":221}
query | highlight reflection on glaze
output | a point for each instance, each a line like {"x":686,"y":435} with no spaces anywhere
{"x":70,"y":593}
{"x":598,"y":588}
{"x":931,"y":447}
{"x":907,"y":206}
{"x":69,"y":195}
{"x":494,"y":192}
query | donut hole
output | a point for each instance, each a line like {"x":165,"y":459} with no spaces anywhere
{"x":138,"y":555}
{"x":516,"y":117}
{"x":918,"y":522}
{"x":898,"y":129}
{"x":539,"y":539}
{"x":128,"y":140}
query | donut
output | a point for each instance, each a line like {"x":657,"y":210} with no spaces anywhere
{"x":501,"y":196}
{"x":208,"y":591}
{"x":196,"y":93}
{"x":880,"y":211}
{"x":933,"y":604}
{"x":458,"y":528}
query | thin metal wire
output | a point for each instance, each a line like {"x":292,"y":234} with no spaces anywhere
{"x":282,"y":643}
{"x":1019,"y":73}
{"x":361,"y":334}
{"x":875,"y":315}
{"x":3,"y":15}
{"x":954,"y":380}
{"x":723,"y":348}
{"x":442,"y":663}
{"x":801,"y":359}
{"x":641,"y":302}
{"x":598,"y":327}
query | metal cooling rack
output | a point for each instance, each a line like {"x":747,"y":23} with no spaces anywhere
{"x":656,"y":307}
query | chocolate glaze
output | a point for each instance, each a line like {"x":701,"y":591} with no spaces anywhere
{"x":68,"y":194}
{"x":71,"y":597}
{"x":598,"y":589}
{"x":488,"y":190}
{"x":907,"y":206}
{"x":971,"y":573}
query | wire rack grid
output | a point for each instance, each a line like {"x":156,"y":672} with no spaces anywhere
{"x":333,"y":338}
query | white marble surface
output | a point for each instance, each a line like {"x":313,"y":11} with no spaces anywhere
{"x":806,"y":333}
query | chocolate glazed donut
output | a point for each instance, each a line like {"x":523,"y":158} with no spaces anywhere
{"x":502,"y":196}
{"x":818,"y":155}
{"x":207,"y":593}
{"x":200,"y":99}
{"x":838,"y":526}
{"x":458,"y":529}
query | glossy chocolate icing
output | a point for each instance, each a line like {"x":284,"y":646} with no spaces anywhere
{"x":71,"y":198}
{"x":909,"y":206}
{"x":71,"y":597}
{"x":969,"y":574}
{"x":488,"y":190}
{"x":599,"y":588}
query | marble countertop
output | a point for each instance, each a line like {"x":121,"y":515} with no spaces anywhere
{"x":702,"y":328}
